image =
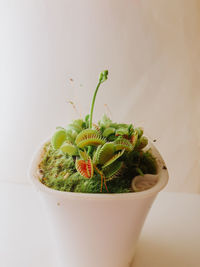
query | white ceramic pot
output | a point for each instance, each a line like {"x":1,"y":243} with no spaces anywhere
{"x":97,"y":230}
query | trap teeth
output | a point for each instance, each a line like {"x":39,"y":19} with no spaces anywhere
{"x":89,"y":137}
{"x":85,"y":168}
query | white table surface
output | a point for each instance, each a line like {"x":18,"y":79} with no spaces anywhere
{"x":170,"y":237}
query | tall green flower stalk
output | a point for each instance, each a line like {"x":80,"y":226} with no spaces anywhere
{"x":102,"y":78}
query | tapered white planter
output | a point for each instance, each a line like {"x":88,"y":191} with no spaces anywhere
{"x":97,"y":230}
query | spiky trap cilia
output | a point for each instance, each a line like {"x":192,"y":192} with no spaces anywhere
{"x":89,"y":158}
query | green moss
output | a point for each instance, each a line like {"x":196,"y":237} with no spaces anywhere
{"x":59,"y":172}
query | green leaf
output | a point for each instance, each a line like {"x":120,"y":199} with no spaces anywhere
{"x":105,"y":121}
{"x":78,"y":123}
{"x":69,"y":149}
{"x":74,"y":127}
{"x":114,"y":158}
{"x":123,"y":143}
{"x":83,"y":155}
{"x":139,"y":131}
{"x":58,"y":138}
{"x":106,"y":153}
{"x":142,"y":142}
{"x":122,"y":131}
{"x":108,"y":131}
{"x":112,"y":170}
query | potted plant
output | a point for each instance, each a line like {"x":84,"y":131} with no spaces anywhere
{"x":98,"y":182}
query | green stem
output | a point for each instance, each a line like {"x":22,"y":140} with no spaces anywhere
{"x":92,"y":107}
{"x":102,"y":78}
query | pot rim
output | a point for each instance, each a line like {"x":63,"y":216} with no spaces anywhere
{"x":163,"y":177}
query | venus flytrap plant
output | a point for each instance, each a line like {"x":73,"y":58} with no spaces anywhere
{"x":96,"y":155}
{"x":106,"y":157}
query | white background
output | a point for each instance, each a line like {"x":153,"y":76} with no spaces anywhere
{"x":151,"y":48}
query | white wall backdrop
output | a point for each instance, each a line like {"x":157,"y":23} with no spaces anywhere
{"x":151,"y":48}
